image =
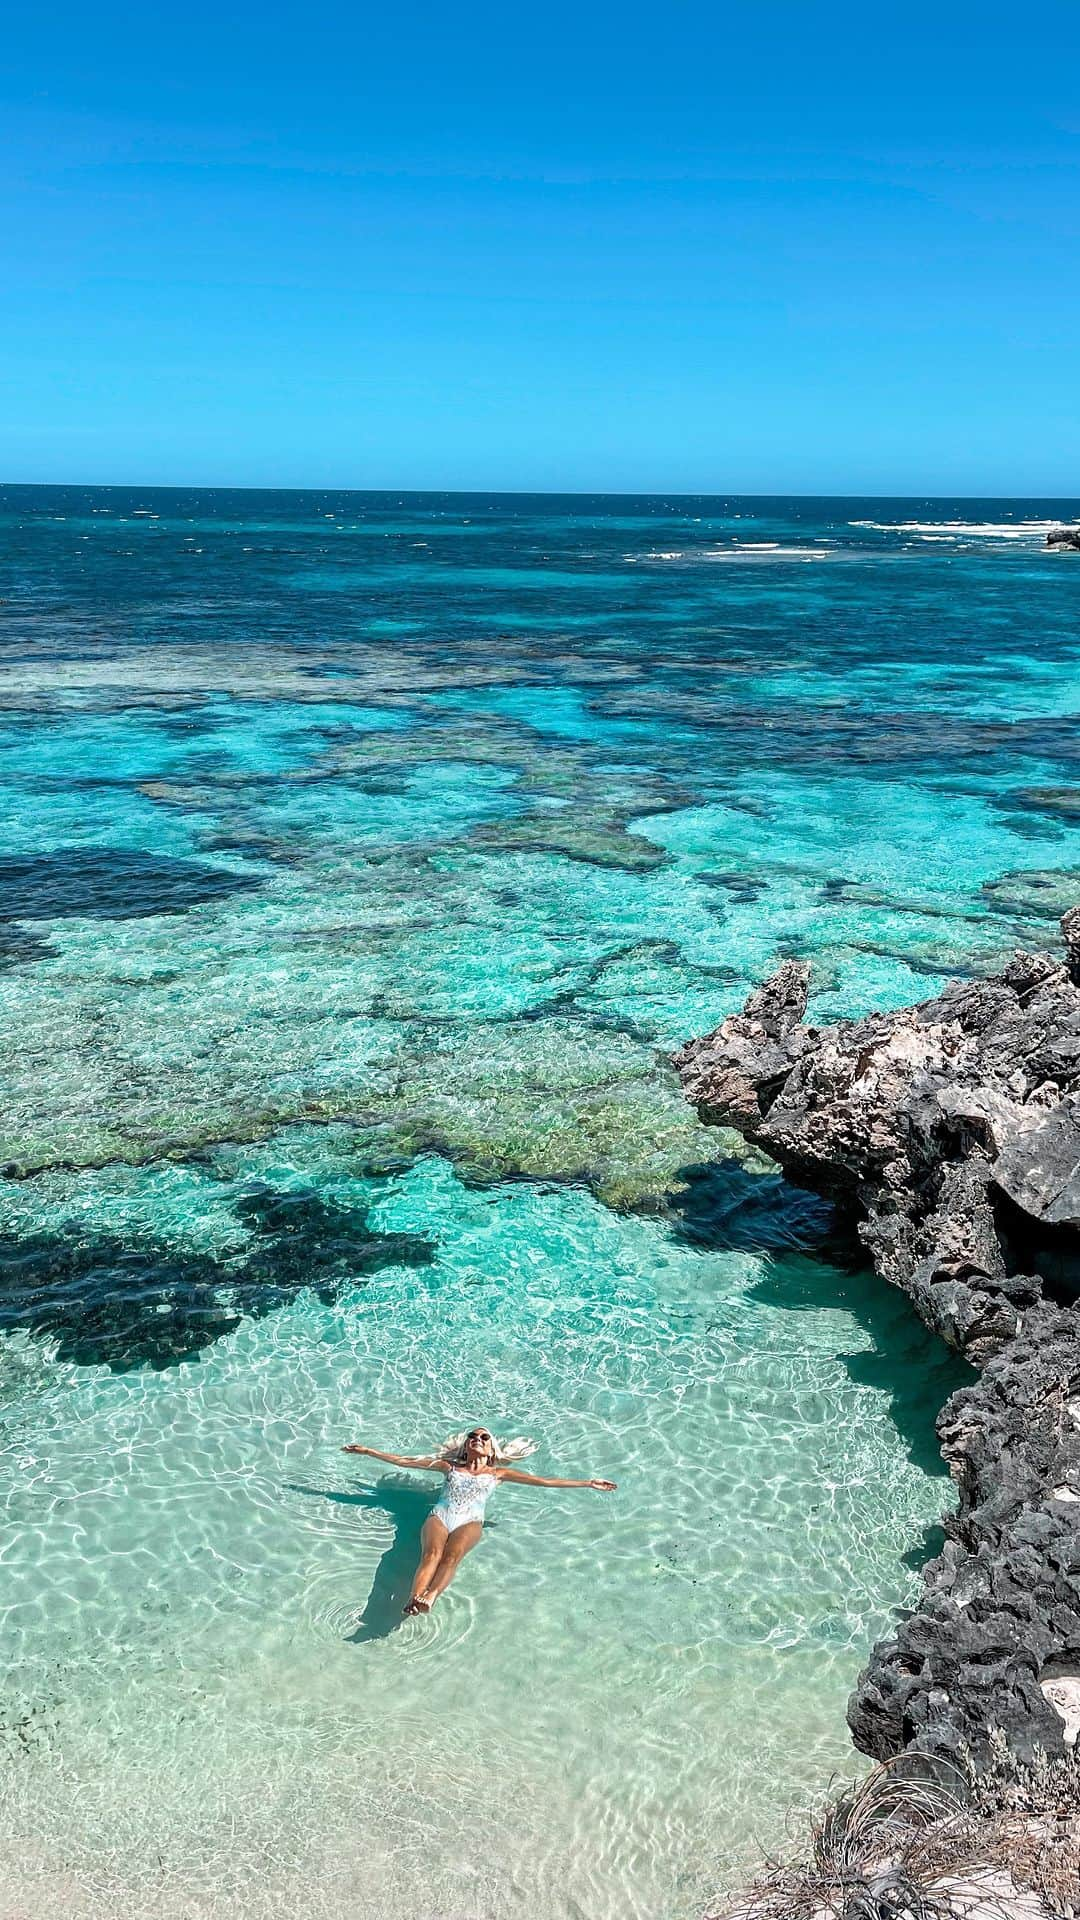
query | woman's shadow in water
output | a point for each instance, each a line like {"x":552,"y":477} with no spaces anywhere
{"x":408,"y":1507}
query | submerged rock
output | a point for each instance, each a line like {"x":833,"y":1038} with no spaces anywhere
{"x":952,"y":1131}
{"x":1039,"y":896}
{"x":600,"y":841}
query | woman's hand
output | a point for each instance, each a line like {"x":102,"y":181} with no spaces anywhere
{"x":602,"y":1486}
{"x":356,"y":1449}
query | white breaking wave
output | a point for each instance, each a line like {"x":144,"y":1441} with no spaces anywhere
{"x":739,"y":550}
{"x":962,"y":529}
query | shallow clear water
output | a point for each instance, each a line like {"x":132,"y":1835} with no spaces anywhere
{"x":364,"y":858}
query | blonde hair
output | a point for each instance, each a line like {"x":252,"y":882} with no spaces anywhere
{"x":503,"y":1451}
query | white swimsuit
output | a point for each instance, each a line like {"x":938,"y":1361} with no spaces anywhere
{"x":464,"y":1498}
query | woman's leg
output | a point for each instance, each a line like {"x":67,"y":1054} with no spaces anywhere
{"x":433,"y":1538}
{"x":457,"y":1546}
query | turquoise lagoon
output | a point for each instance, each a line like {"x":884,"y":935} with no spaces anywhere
{"x":364,"y":858}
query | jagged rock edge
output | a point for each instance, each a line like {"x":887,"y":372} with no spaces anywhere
{"x":952,"y":1131}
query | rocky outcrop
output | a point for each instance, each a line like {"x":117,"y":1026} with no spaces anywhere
{"x":952,"y":1131}
{"x":1064,"y":537}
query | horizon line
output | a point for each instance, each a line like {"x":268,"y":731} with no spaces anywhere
{"x":523,"y":493}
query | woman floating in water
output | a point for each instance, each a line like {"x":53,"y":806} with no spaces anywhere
{"x":472,"y":1463}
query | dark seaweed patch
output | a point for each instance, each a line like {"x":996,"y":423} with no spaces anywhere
{"x":1059,"y":803}
{"x":19,"y":948}
{"x":719,"y":1205}
{"x":253,"y":846}
{"x":186,"y":722}
{"x":745,"y":888}
{"x":110,"y":883}
{"x":138,"y":1302}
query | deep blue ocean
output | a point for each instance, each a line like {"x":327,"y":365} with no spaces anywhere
{"x":364,"y":858}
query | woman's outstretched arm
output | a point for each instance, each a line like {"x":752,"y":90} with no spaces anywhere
{"x":401,"y":1459}
{"x":547,"y":1480}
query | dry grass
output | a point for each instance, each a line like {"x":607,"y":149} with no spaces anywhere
{"x":1033,"y":1814}
{"x":908,"y":1843}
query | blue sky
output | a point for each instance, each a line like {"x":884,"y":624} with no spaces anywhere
{"x":808,"y":248}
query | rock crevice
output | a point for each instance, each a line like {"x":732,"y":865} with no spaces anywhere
{"x":951,"y":1130}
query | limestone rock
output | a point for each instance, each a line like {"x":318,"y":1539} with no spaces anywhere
{"x":952,"y":1131}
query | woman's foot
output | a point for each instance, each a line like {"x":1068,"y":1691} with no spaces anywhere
{"x":418,"y":1604}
